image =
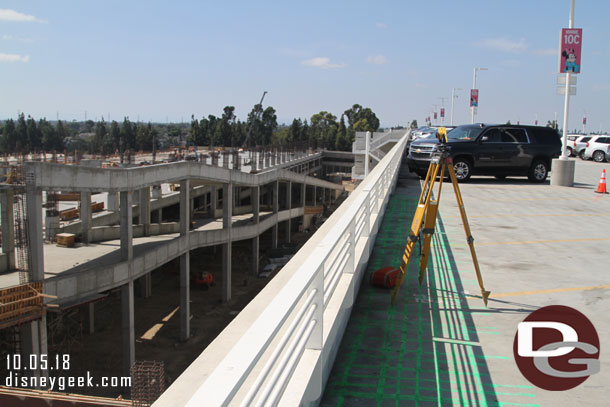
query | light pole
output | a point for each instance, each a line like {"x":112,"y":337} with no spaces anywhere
{"x":453,"y":96}
{"x":563,"y":168}
{"x":474,"y":86}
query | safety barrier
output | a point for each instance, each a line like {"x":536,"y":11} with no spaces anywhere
{"x":279,"y":350}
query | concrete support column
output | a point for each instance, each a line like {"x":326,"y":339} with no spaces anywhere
{"x":289,"y":207}
{"x":255,"y":200}
{"x":8,"y":227}
{"x":147,"y":285}
{"x":213,"y":201}
{"x":303,"y":194}
{"x":227,"y":214}
{"x":88,"y":313}
{"x":113,"y":201}
{"x":157,"y":192}
{"x":275,"y":206}
{"x":36,"y":331}
{"x":34,"y":213}
{"x":128,"y":325}
{"x":255,"y":251}
{"x":185,"y":261}
{"x":126,"y":226}
{"x":85,"y":216}
{"x":253,"y":162}
{"x":145,"y":209}
{"x":34,"y":342}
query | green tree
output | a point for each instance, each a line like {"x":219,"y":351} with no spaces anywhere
{"x":115,"y":136}
{"x":128,"y":134}
{"x":100,"y":135}
{"x":50,"y":139}
{"x":357,"y":113}
{"x":294,"y":131}
{"x":255,"y":125}
{"x":269,"y":122}
{"x":323,"y":130}
{"x":342,"y":143}
{"x":9,"y":137}
{"x":363,"y":125}
{"x":226,"y":126}
{"x":34,"y":138}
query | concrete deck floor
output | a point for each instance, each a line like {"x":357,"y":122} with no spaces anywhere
{"x":537,"y":245}
{"x":58,"y":260}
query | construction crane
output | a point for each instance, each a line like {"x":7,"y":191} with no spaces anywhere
{"x":257,"y":116}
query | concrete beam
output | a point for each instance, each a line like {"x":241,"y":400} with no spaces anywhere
{"x":8,"y":227}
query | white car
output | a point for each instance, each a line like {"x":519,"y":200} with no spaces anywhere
{"x":580,"y":145}
{"x":598,"y":149}
{"x":570,"y":144}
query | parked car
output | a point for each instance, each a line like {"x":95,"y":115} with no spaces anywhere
{"x":580,"y":144}
{"x":425,"y":132}
{"x":570,"y":144}
{"x":598,"y":149}
{"x":499,"y":150}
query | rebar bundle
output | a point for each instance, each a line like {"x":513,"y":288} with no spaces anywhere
{"x":147,"y":382}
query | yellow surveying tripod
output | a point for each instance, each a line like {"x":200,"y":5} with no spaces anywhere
{"x":427,"y":211}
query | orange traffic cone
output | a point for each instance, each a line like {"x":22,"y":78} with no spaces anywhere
{"x":601,"y":188}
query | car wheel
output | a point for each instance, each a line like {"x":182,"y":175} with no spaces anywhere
{"x":538,"y":171}
{"x":570,"y":152}
{"x":463,"y":169}
{"x":582,"y":154}
{"x":599,"y":156}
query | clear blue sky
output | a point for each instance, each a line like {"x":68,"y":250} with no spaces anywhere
{"x":158,"y":59}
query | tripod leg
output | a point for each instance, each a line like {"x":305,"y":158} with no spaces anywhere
{"x":428,"y":232}
{"x":423,"y":203}
{"x":469,"y":238}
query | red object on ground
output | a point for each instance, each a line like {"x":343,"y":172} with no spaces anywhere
{"x":385,"y":277}
{"x":601,"y":188}
{"x":204,"y":278}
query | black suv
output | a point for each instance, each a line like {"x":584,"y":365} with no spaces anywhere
{"x":498,"y":150}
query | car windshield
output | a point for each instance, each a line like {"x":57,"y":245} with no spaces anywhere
{"x":465,"y":133}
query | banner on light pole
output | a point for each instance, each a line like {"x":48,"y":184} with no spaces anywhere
{"x":474,"y":97}
{"x":570,"y":45}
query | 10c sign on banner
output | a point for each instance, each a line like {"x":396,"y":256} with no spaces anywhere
{"x":569,"y":52}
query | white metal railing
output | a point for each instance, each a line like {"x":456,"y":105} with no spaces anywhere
{"x":253,"y":373}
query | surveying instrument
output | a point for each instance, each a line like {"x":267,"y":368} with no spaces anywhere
{"x":424,"y":221}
